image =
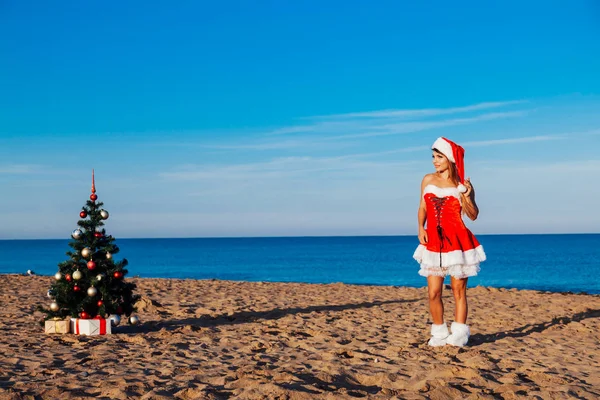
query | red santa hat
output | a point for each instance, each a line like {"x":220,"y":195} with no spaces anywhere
{"x":454,"y":153}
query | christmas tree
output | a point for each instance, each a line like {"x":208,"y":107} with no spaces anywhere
{"x":91,"y":283}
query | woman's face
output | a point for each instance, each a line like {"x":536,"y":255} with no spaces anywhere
{"x":440,"y":162}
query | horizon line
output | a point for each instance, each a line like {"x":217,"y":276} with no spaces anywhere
{"x":309,"y":236}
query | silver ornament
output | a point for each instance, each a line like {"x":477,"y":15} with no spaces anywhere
{"x":76,"y":234}
{"x":58,"y":276}
{"x":134,"y":320}
{"x":92,"y":291}
{"x":53,"y":306}
{"x":77,"y":275}
{"x":104,"y":214}
{"x":85,"y":253}
{"x":108,"y":256}
{"x":50,"y":294}
{"x":98,"y":229}
{"x":114,"y":319}
{"x":99,"y":277}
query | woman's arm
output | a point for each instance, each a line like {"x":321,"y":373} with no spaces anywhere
{"x":422,"y":213}
{"x":468,"y":201}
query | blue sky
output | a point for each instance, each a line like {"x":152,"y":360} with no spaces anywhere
{"x":295,"y":118}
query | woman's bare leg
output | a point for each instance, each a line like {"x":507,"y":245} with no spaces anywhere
{"x":435,"y":285}
{"x":459,"y":290}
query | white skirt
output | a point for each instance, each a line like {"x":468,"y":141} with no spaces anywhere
{"x":459,"y":264}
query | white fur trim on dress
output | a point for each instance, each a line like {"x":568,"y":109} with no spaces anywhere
{"x":459,"y":264}
{"x":442,"y":192}
{"x":444,"y":147}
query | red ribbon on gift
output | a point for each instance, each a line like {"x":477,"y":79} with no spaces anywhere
{"x":77,"y":326}
{"x":102,"y":324}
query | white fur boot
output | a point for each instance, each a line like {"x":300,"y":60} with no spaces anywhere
{"x":439,"y":333}
{"x":460,"y":334}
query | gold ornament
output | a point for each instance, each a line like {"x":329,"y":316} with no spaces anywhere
{"x":54,"y":306}
{"x":77,"y":275}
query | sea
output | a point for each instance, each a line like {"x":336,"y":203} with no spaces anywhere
{"x":549,"y":262}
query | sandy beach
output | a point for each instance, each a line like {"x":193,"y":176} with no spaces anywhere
{"x":221,"y":339}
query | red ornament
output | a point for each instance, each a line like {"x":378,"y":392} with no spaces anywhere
{"x":119,"y":310}
{"x":68,"y":277}
{"x":84,"y":315}
{"x":76,"y":288}
{"x":91,"y":265}
{"x":118,"y":274}
{"x":98,"y":234}
{"x":83,"y":214}
{"x":93,"y":197}
{"x":100,"y":302}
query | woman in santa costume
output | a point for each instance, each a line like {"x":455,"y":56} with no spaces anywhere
{"x":446,"y":246}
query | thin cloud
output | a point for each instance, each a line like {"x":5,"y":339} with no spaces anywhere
{"x":322,"y":126}
{"x":592,"y":132}
{"x":343,"y":127}
{"x":278,"y":168}
{"x":17,"y":169}
{"x":427,"y":112}
{"x":409,"y":127}
{"x":307,"y":164}
{"x":292,"y":129}
{"x":549,"y":168}
{"x":360,"y":122}
{"x":256,"y":146}
{"x":276,"y":145}
{"x":527,"y":139}
{"x":478,"y":143}
{"x":322,"y":133}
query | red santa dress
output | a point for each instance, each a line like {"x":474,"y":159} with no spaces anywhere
{"x":451,"y":248}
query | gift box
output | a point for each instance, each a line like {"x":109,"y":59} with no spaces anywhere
{"x":96,"y":326}
{"x":57,"y":325}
